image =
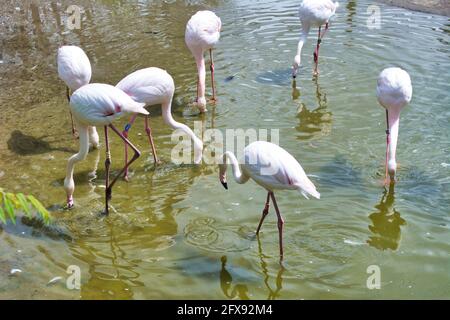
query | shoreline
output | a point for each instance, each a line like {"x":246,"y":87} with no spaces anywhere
{"x":440,"y":7}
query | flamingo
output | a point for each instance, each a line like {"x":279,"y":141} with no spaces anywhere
{"x":92,"y":105}
{"x":75,"y":70}
{"x":394,"y":91}
{"x":273,"y":168}
{"x":313,"y":13}
{"x":202,"y":33}
{"x":155,"y":86}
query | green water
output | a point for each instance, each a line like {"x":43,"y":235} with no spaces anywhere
{"x":174,"y":232}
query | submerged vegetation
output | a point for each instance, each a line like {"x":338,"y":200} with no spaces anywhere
{"x":11,"y":203}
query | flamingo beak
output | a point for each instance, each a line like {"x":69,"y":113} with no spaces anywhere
{"x":225,"y":185}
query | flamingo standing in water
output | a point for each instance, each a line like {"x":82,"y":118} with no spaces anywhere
{"x":313,"y":13}
{"x":155,"y":86}
{"x":99,"y":105}
{"x":75,"y":70}
{"x":394,"y":91}
{"x":202,"y":33}
{"x":273,"y":168}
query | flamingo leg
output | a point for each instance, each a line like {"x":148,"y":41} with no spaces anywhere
{"x":74,"y":131}
{"x":148,"y":130}
{"x":280,"y":223}
{"x":316,"y":52}
{"x":387,"y":147}
{"x":135,"y":156}
{"x":212,"y":75}
{"x":125,"y":134}
{"x":264,"y":213}
{"x":107,"y":171}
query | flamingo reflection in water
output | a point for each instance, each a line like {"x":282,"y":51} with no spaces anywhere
{"x":386,"y":223}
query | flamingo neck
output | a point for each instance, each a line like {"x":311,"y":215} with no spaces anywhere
{"x":69,"y":184}
{"x":235,"y":168}
{"x":167,"y":117}
{"x":394,"y":121}
{"x":201,"y":69}
{"x":302,"y":40}
{"x":297,"y":59}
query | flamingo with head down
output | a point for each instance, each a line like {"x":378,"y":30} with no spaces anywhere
{"x":203,"y":33}
{"x":99,"y":105}
{"x":75,"y":70}
{"x":394,"y":92}
{"x":155,"y":86}
{"x":313,"y":13}
{"x":273,"y":168}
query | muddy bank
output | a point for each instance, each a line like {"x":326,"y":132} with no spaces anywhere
{"x":441,"y":7}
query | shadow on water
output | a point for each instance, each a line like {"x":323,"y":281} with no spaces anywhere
{"x":280,"y":77}
{"x":23,"y":144}
{"x":240,"y":290}
{"x":35,"y":228}
{"x":313,"y":121}
{"x":386,"y":223}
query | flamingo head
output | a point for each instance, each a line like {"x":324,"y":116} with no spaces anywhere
{"x":295,"y":66}
{"x":392,"y":168}
{"x":223,"y":175}
{"x":201,"y":104}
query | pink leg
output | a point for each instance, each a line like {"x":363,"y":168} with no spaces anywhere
{"x":264,"y":213}
{"x":136,"y":155}
{"x":280,"y":224}
{"x":148,"y":130}
{"x":125,"y":134}
{"x":212,"y":76}
{"x":316,"y":52}
{"x":74,"y":132}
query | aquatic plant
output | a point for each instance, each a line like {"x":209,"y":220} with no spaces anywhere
{"x":10,"y":203}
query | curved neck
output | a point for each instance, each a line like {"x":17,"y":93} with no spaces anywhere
{"x":302,"y":40}
{"x":200,"y":60}
{"x":69,"y":184}
{"x":167,"y":117}
{"x":394,"y":120}
{"x":237,"y":173}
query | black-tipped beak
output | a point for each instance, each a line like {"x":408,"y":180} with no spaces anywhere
{"x":225,"y":185}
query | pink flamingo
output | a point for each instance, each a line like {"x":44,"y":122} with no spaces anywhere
{"x":273,"y":168}
{"x":99,"y":105}
{"x":75,"y":70}
{"x":394,"y":91}
{"x":155,"y":86}
{"x":313,"y":13}
{"x":202,"y":33}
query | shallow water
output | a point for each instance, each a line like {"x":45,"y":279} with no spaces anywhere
{"x":174,"y":232}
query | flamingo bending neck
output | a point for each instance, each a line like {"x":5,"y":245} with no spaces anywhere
{"x":168,"y":118}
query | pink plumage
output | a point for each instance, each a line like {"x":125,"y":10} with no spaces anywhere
{"x":74,"y":67}
{"x":273,"y":168}
{"x":203,"y":33}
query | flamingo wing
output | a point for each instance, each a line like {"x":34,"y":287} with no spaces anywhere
{"x":274,"y":168}
{"x":100,"y":104}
